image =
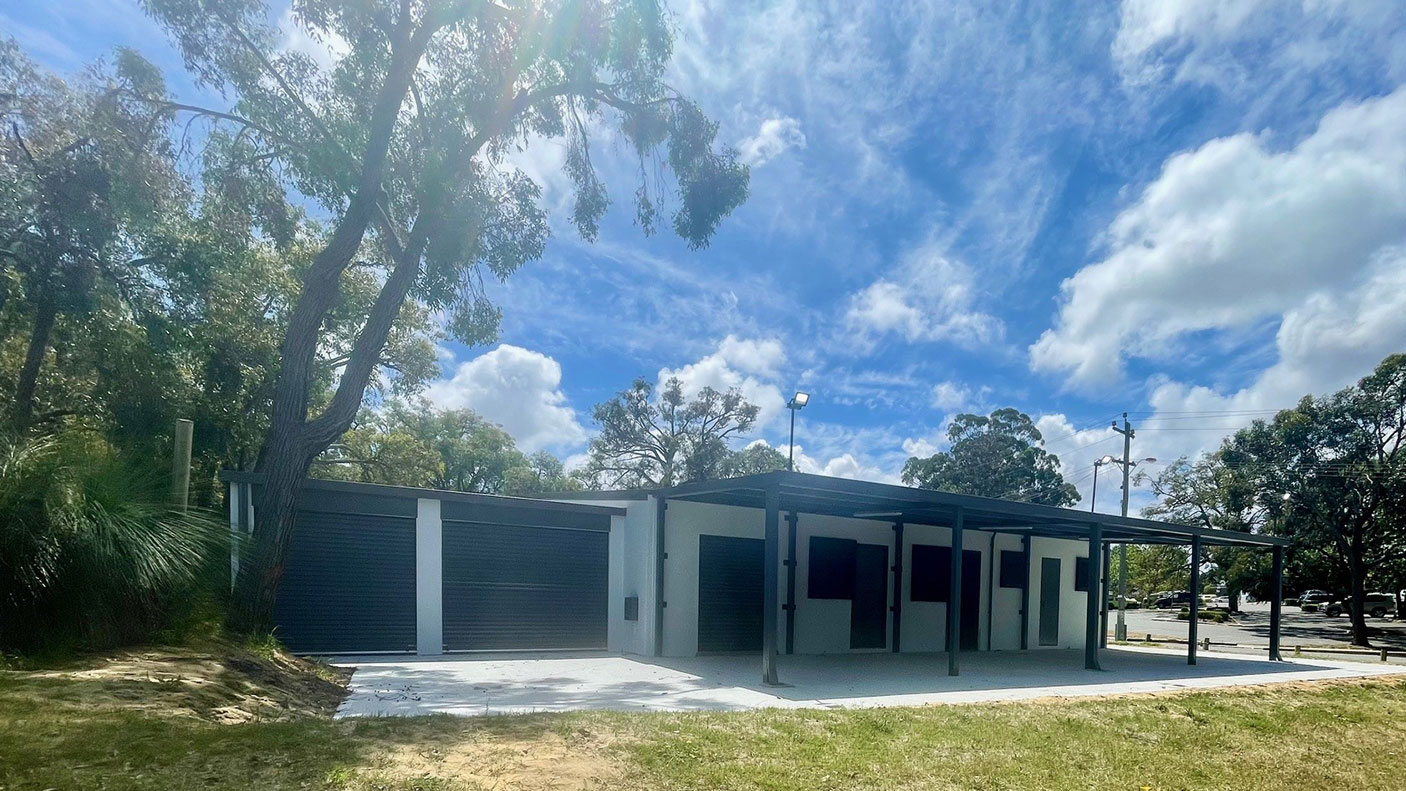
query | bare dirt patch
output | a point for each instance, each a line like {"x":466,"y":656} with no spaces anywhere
{"x":219,"y":682}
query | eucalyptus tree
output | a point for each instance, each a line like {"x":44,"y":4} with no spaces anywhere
{"x":403,"y":133}
{"x":85,"y":174}
{"x":648,"y":441}
{"x":1212,"y":494}
{"x":1001,"y":455}
{"x":1331,"y":474}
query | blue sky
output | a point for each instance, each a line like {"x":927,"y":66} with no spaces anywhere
{"x":1192,"y":211}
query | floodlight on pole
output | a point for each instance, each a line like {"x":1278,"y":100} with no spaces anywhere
{"x":797,"y":403}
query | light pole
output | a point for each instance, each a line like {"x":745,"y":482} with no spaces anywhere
{"x":1120,"y":632}
{"x":796,"y":404}
{"x":1093,"y":496}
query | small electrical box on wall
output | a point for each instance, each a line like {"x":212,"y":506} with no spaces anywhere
{"x":632,"y":608}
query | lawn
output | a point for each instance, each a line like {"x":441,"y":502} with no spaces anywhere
{"x":243,"y":721}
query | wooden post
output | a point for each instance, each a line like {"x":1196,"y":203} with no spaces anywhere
{"x":180,"y":463}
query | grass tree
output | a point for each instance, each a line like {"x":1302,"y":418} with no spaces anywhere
{"x":401,"y":133}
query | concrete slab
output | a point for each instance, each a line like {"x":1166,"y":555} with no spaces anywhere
{"x":473,"y":686}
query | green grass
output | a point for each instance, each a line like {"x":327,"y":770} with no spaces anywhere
{"x":69,"y":731}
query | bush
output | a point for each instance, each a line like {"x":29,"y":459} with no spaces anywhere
{"x":1218,"y":616}
{"x":91,"y":553}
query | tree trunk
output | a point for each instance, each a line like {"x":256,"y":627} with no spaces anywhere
{"x":275,"y":505}
{"x":1357,"y":599}
{"x":44,"y":317}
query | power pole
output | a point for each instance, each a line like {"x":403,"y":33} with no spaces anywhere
{"x":1120,"y":631}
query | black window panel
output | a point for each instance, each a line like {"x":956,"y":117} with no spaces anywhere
{"x":1081,"y":574}
{"x":831,"y":568}
{"x":1012,"y":569}
{"x":930,"y":578}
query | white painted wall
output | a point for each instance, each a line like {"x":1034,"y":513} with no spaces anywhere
{"x":822,"y":625}
{"x":1005,"y":624}
{"x":429,"y":578}
{"x":1072,"y":603}
{"x":685,"y":522}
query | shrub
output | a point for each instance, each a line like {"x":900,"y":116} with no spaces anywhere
{"x":91,"y":553}
{"x":1219,"y":616}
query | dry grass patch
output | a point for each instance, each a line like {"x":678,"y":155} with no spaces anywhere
{"x":508,"y":758}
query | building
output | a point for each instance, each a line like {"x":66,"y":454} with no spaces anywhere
{"x":771,"y":564}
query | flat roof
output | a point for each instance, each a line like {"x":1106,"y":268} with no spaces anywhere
{"x":823,"y":494}
{"x":413,"y":492}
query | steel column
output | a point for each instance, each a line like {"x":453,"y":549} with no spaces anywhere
{"x":954,"y":598}
{"x":897,"y":606}
{"x":1275,"y":604}
{"x":1195,"y":604}
{"x":791,"y":520}
{"x":1025,"y":595}
{"x":1106,"y":591}
{"x":771,"y":558}
{"x":1092,"y":608}
{"x":661,"y":505}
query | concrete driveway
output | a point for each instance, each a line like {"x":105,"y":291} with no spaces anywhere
{"x":548,"y":683}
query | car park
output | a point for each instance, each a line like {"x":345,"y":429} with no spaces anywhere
{"x":1376,"y":605}
{"x":1173,"y":599}
{"x":1311,"y":600}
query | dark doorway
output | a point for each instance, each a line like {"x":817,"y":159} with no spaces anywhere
{"x":1049,"y":601}
{"x":729,"y":594}
{"x":509,"y":587}
{"x":868,"y":619}
{"x":971,"y":599}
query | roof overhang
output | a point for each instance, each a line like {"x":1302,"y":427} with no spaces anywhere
{"x":383,"y":490}
{"x":822,"y":494}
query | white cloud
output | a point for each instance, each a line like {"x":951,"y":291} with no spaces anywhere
{"x":1325,"y":344}
{"x":845,"y":465}
{"x":772,"y":139}
{"x":754,"y":356}
{"x":1263,"y":50}
{"x":744,"y":364}
{"x":950,"y":395}
{"x":518,"y":389}
{"x":1077,"y":448}
{"x":1234,"y":233}
{"x":922,"y":447}
{"x":929,"y":297}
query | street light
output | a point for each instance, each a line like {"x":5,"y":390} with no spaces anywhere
{"x":1093,"y":496}
{"x":796,"y":404}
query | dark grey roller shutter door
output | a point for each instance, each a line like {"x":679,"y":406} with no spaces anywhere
{"x":348,"y":584}
{"x":508,"y":587}
{"x":729,"y":594}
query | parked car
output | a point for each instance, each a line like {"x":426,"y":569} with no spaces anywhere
{"x":1218,"y":603}
{"x":1311,"y":600}
{"x":1377,"y":605}
{"x":1174,"y":599}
